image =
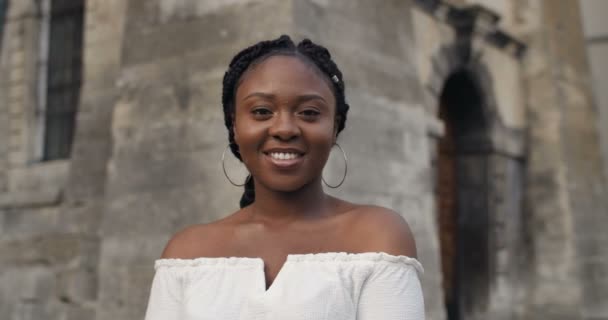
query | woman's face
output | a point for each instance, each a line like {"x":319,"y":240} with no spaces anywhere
{"x":284,"y":122}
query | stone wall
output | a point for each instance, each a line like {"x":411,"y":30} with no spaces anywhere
{"x":34,"y":255}
{"x":566,"y":192}
{"x":596,"y":36}
{"x":51,"y":210}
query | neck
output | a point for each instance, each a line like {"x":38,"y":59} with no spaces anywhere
{"x":272,"y":206}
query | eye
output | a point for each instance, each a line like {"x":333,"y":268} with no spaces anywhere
{"x":261,"y":112}
{"x":310,"y":113}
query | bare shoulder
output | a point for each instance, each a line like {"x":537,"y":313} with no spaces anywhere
{"x":379,"y":229}
{"x":200,"y":240}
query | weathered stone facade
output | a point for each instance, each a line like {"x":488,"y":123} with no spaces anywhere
{"x":509,"y":79}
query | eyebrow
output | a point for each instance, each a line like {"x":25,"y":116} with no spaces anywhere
{"x":268,"y":96}
{"x":307,"y":97}
{"x":300,"y":99}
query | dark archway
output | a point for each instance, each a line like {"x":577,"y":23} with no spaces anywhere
{"x":462,"y":197}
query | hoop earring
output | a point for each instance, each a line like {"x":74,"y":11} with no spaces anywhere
{"x":226,"y":173}
{"x":345,"y":169}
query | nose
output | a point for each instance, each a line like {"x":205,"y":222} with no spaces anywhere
{"x":284,"y":127}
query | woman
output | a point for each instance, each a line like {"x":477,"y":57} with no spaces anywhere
{"x":291,"y":251}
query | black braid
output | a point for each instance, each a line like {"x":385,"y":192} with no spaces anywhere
{"x":310,"y":52}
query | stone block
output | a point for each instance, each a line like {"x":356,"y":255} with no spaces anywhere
{"x":103,"y":13}
{"x":87,"y":179}
{"x":90,"y":151}
{"x":17,"y":58}
{"x":594,"y":298}
{"x":20,"y":8}
{"x":122,"y":299}
{"x":30,"y":220}
{"x":16,"y":74}
{"x":48,"y":249}
{"x":37,"y":284}
{"x":102,"y":62}
{"x":595,"y":271}
{"x":16,"y":158}
{"x":110,"y":36}
{"x":188,"y":9}
{"x":16,"y":112}
{"x":25,"y":292}
{"x":416,"y":148}
{"x":3,"y":183}
{"x":39,"y":176}
{"x":82,"y":216}
{"x":3,"y":154}
{"x":120,"y":252}
{"x":77,"y":286}
{"x":126,"y":299}
{"x":28,"y":310}
{"x":15,"y":41}
{"x":591,"y":239}
{"x":79,"y":313}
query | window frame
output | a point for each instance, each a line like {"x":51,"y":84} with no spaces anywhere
{"x":44,"y":89}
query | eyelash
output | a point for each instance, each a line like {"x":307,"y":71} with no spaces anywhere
{"x":310,"y":113}
{"x":261,"y":111}
{"x":264,"y":112}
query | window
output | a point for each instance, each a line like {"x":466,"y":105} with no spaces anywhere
{"x":63,"y":77}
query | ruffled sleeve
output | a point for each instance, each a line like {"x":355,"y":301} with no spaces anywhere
{"x":392,"y":292}
{"x":166,"y":293}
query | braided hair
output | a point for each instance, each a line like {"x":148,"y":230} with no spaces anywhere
{"x":308,"y":52}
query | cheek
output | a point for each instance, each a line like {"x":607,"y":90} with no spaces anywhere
{"x":240,"y":131}
{"x":247,"y":136}
{"x":323,"y":139}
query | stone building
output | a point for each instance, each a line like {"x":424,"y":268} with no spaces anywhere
{"x":595,"y":29}
{"x":475,"y":119}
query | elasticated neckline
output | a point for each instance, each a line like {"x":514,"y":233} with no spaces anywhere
{"x":324,"y":257}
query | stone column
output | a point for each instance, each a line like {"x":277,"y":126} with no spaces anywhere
{"x":565,"y":187}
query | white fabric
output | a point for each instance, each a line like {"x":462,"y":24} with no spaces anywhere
{"x":321,"y":286}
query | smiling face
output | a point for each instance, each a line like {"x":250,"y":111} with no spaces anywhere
{"x":284,"y":122}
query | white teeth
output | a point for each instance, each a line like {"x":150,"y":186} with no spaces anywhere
{"x":283,"y":156}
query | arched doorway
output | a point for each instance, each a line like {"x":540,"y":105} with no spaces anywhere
{"x":462,"y":198}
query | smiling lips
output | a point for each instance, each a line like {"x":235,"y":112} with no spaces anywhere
{"x":284,"y":160}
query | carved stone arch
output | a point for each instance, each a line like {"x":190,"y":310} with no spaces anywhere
{"x":485,"y":84}
{"x":471,"y":159}
{"x":450,"y":59}
{"x":444,"y":61}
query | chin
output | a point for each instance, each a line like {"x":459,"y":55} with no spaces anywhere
{"x":285,"y":184}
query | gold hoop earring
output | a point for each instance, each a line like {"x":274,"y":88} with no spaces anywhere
{"x":345,"y":169}
{"x":226,"y":173}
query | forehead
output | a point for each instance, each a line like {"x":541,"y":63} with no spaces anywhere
{"x":284,"y":75}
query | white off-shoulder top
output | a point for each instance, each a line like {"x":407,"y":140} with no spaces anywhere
{"x":319,"y":286}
